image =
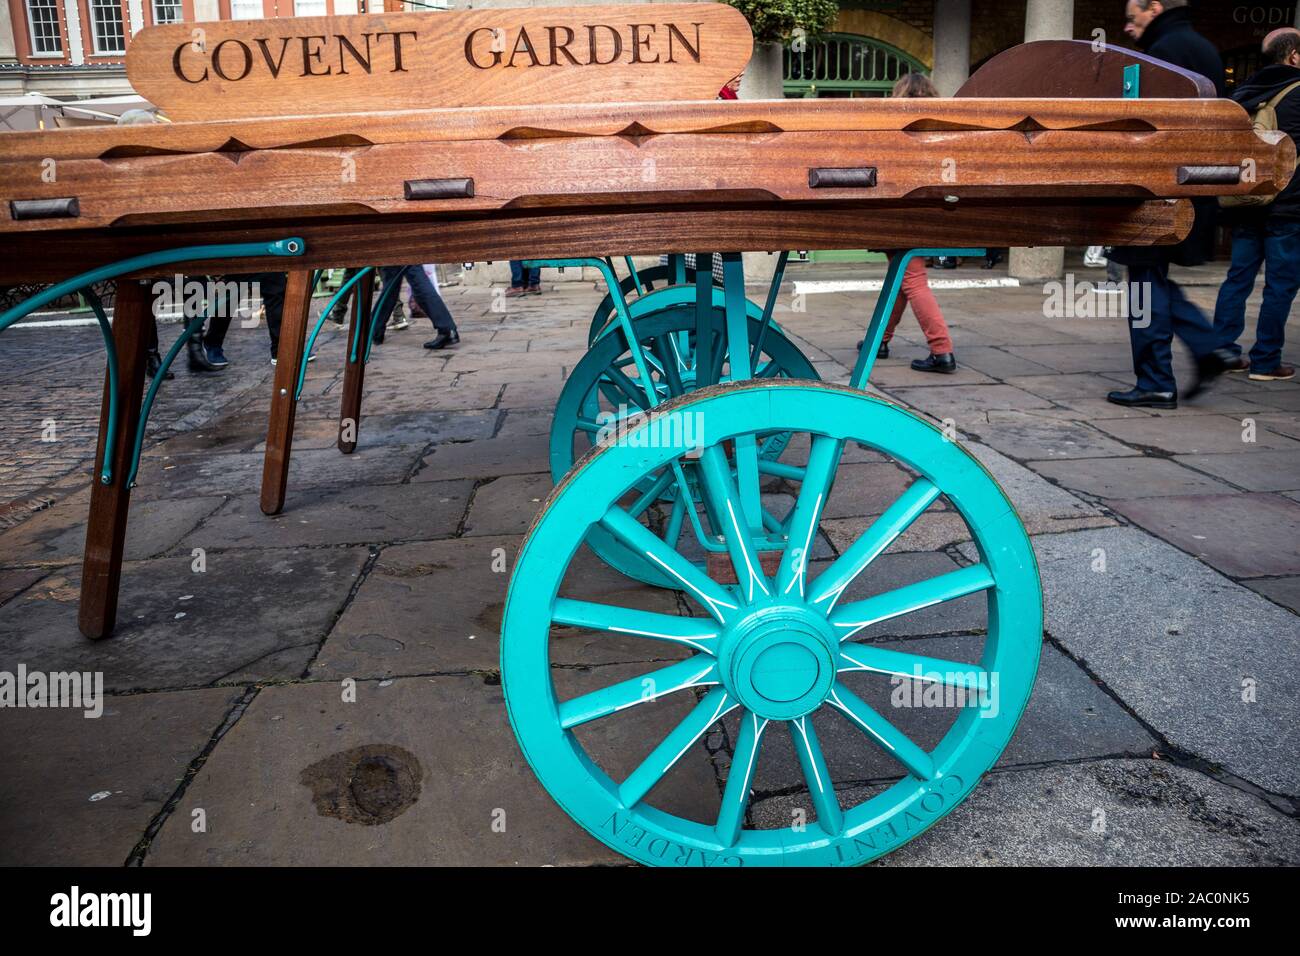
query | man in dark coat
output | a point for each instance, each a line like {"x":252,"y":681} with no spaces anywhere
{"x":1158,"y":308}
{"x":1266,"y":235}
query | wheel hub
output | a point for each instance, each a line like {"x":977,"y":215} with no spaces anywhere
{"x":779,"y":661}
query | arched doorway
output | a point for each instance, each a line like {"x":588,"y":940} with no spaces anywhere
{"x":845,"y":65}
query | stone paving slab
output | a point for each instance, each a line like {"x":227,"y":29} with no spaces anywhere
{"x":1155,"y":814}
{"x":1175,"y":640}
{"x":401,"y":429}
{"x":58,"y":534}
{"x":490,"y":458}
{"x":1118,"y":478}
{"x":1284,"y":591}
{"x":1205,"y":435}
{"x":866,"y":488}
{"x":449,"y":734}
{"x":507,"y":505}
{"x":86,"y":794}
{"x":966,"y":404}
{"x":1027,"y":437}
{"x":388,"y":629}
{"x":346,"y":515}
{"x":230,"y":474}
{"x":1244,"y":536}
{"x":250,"y":616}
{"x":1252,"y":470}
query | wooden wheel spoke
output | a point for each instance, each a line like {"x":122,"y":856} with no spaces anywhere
{"x":830,"y":817}
{"x":715,"y":705}
{"x":932,"y":670}
{"x":823,"y":457}
{"x":851,"y":618}
{"x":897,"y":744}
{"x":722,"y":491}
{"x":695,"y":582}
{"x":735,"y":798}
{"x":692,"y":672}
{"x":698,"y":632}
{"x":830,"y":584}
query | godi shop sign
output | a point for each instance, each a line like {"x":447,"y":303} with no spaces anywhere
{"x":389,"y":61}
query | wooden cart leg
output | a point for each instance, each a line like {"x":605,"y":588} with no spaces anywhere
{"x":354,"y":373}
{"x":279,"y":432}
{"x":101,"y":570}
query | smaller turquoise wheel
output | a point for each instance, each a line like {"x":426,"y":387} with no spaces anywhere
{"x":604,"y":392}
{"x":760,"y":722}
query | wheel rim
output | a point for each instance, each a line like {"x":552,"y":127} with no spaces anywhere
{"x":762,"y":648}
{"x":667,"y":339}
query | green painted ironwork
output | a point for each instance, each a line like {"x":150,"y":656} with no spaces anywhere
{"x":320,"y":323}
{"x":843,"y":63}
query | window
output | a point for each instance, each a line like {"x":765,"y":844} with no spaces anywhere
{"x":246,"y":10}
{"x":107,"y":26}
{"x":43,"y":19}
{"x":167,"y":11}
{"x":309,"y":8}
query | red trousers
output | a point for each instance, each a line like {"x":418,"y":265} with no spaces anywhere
{"x":915,"y":292}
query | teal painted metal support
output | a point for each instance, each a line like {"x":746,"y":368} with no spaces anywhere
{"x":885,"y":306}
{"x":194,"y":326}
{"x":1133,"y":81}
{"x":320,"y":323}
{"x":768,"y":308}
{"x":636,"y":276}
{"x":737,"y":349}
{"x":624,"y":318}
{"x":82,"y":284}
{"x":390,"y":291}
{"x":110,"y":428}
{"x":704,"y":320}
{"x":677,"y":262}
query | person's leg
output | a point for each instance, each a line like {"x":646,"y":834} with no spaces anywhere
{"x":1230,"y":307}
{"x":1151,"y":327}
{"x":1281,"y":282}
{"x":339,"y":314}
{"x":272,"y":286}
{"x":429,"y":299}
{"x":534,"y":277}
{"x":916,"y":286}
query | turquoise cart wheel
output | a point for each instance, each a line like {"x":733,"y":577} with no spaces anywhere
{"x":603,"y":323}
{"x":778,"y":659}
{"x":603,"y":391}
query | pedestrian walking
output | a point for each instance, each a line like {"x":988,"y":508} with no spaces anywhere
{"x":430,"y":301}
{"x":1158,"y":307}
{"x":1267,"y":232}
{"x":915,"y":289}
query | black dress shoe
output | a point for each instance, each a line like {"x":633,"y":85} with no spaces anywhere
{"x":945,"y":363}
{"x":445,"y":339}
{"x":198,"y":355}
{"x":883,"y":351}
{"x":1209,"y":367}
{"x":1137,"y":398}
{"x":153,"y":362}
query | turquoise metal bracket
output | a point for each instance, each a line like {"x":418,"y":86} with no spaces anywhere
{"x":885,"y":306}
{"x":606,"y":268}
{"x":768,"y":308}
{"x":320,"y":323}
{"x":1133,"y":81}
{"x":82,"y":283}
{"x":381,"y":308}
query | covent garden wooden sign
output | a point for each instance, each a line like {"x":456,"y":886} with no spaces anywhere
{"x":390,"y":61}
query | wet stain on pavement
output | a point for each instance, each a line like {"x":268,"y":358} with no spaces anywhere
{"x":369,"y":785}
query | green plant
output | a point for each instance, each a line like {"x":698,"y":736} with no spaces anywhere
{"x":775,"y":21}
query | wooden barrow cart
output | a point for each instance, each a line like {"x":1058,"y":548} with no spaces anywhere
{"x":398,"y":138}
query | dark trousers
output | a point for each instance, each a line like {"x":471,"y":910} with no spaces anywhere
{"x":1275,"y":245}
{"x":272,"y":286}
{"x":341,"y":306}
{"x":425,"y":294}
{"x":1158,"y":310}
{"x":521,"y":277}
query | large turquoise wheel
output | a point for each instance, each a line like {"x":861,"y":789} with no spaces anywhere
{"x":776,"y":658}
{"x":650,"y":302}
{"x":602,"y":391}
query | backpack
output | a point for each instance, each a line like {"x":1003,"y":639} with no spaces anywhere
{"x":1265,"y":119}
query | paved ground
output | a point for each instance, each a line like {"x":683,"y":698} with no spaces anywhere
{"x":1163,"y":728}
